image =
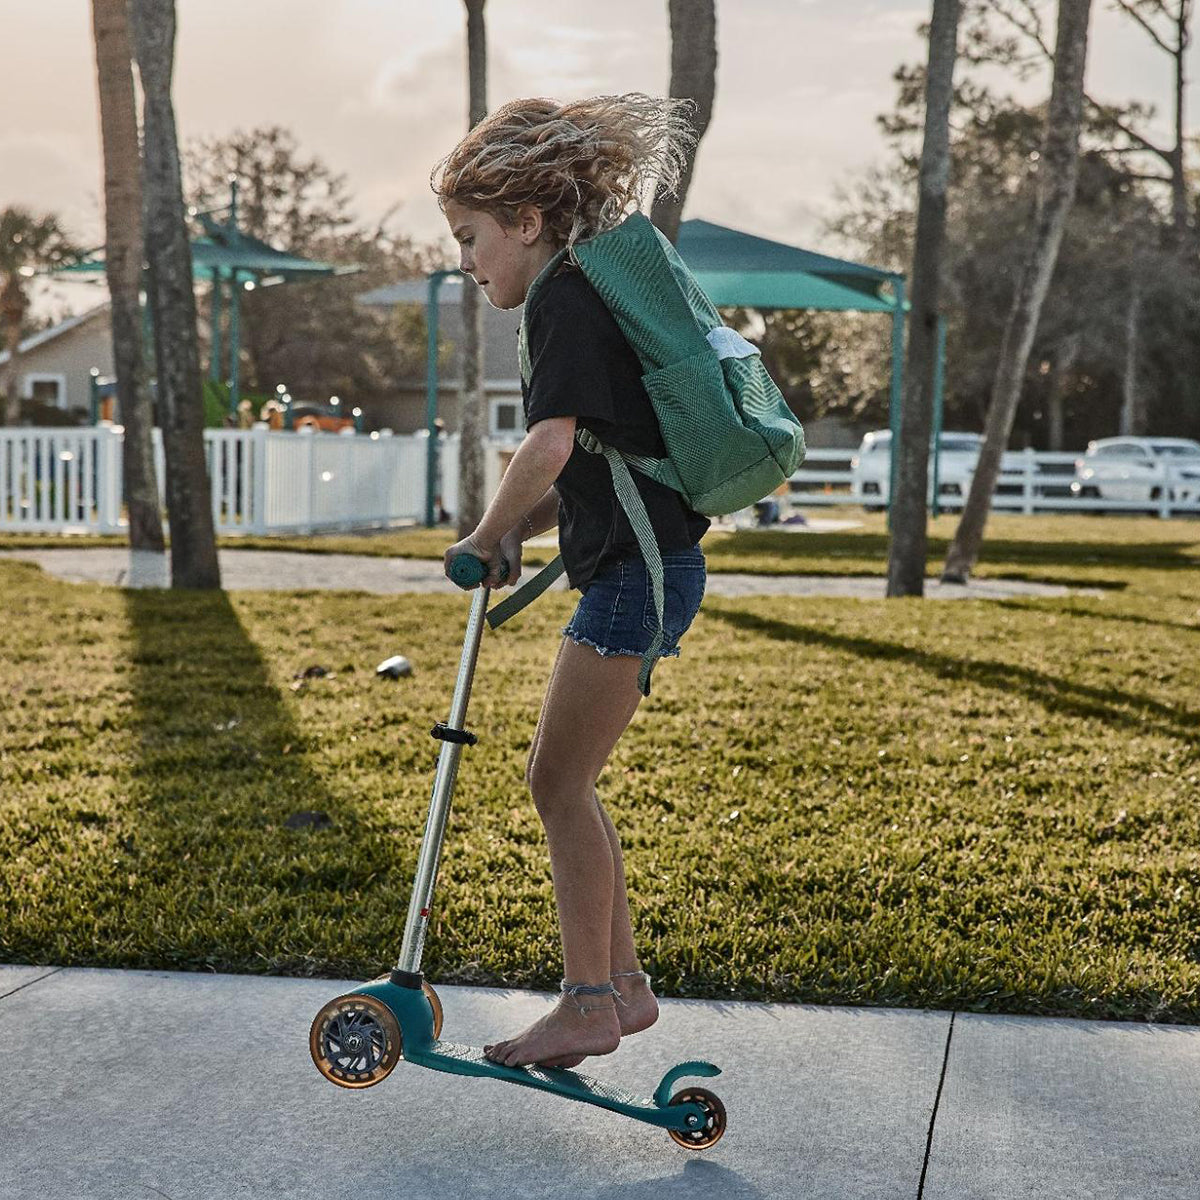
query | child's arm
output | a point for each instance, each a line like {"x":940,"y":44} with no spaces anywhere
{"x":542,"y":516}
{"x":538,"y":462}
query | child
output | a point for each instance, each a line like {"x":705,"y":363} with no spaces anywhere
{"x":531,"y":178}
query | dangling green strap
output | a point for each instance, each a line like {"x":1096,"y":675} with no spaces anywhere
{"x":526,"y":594}
{"x":631,"y":501}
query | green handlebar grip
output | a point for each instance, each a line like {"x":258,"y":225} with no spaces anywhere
{"x":466,"y":570}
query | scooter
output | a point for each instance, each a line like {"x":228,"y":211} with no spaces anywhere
{"x":357,"y":1038}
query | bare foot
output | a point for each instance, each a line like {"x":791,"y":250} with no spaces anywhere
{"x":564,"y":1032}
{"x":639,"y":1012}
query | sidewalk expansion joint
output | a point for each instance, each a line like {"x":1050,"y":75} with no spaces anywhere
{"x":14,"y":991}
{"x":936,"y":1103}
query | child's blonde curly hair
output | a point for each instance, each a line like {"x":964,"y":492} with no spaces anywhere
{"x":583,"y":164}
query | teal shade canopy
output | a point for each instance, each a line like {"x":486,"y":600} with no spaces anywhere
{"x":736,"y":268}
{"x":226,"y":250}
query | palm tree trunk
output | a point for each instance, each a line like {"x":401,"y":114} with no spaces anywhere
{"x":1180,"y":200}
{"x":909,"y":523}
{"x":13,"y":305}
{"x":173,"y":304}
{"x":693,"y":77}
{"x":1056,"y":193}
{"x":473,"y":398}
{"x":123,"y":266}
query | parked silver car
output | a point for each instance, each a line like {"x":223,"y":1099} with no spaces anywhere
{"x":871,"y":466}
{"x":1137,"y":469}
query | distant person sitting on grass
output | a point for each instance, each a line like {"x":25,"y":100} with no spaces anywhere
{"x":532,"y":178}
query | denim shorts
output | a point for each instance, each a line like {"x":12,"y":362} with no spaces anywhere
{"x":617,"y":616}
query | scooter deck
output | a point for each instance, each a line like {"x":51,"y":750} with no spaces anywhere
{"x":415,"y":1017}
{"x":459,"y":1059}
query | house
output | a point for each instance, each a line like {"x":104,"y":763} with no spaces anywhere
{"x":405,"y":410}
{"x":53,"y":370}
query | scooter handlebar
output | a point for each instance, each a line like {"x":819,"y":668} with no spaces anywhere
{"x":466,"y":570}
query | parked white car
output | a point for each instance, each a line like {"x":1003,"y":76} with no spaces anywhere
{"x":1136,"y":469}
{"x":871,"y":466}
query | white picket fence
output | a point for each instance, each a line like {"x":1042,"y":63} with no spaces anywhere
{"x":262,"y":480}
{"x":269,"y":481}
{"x":1031,"y":481}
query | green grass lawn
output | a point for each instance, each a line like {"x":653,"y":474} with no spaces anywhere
{"x":991,"y":806}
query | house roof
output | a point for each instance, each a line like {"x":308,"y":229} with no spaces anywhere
{"x":56,"y":331}
{"x":413,"y":291}
{"x":500,"y":360}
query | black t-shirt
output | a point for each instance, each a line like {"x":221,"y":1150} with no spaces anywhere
{"x":581,"y":366}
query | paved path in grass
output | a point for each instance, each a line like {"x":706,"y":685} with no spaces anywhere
{"x":144,"y":1084}
{"x":285,"y":570}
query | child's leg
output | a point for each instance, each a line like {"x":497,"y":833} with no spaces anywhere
{"x":622,"y":953}
{"x":590,"y":702}
{"x":638,"y":1009}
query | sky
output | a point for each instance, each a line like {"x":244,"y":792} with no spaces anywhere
{"x":377,"y":90}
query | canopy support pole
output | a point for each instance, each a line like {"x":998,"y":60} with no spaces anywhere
{"x":235,"y":343}
{"x":897,"y":390}
{"x":235,"y":309}
{"x":939,"y":378}
{"x":214,"y":355}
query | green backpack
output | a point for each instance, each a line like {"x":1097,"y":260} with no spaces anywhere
{"x":730,"y":437}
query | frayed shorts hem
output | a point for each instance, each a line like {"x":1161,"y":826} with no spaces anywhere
{"x":608,"y":651}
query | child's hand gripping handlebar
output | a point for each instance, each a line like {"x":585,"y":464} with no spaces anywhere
{"x":466,"y":570}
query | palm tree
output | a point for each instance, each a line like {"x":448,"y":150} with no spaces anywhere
{"x":173,"y":304}
{"x":909,"y":524}
{"x":1059,"y":169}
{"x":693,"y":77}
{"x":123,"y":266}
{"x":28,"y":243}
{"x":473,"y":407}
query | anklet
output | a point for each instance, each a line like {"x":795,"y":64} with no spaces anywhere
{"x":623,"y":974}
{"x":586,"y":989}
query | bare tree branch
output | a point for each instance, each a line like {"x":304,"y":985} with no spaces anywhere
{"x":1108,"y":113}
{"x":1031,"y":26}
{"x":1027,"y":21}
{"x":1128,"y":8}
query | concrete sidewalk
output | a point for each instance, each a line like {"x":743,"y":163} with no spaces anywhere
{"x":199,"y":1087}
{"x":287,"y":570}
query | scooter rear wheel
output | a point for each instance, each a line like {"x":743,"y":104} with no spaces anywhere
{"x":714,"y":1119}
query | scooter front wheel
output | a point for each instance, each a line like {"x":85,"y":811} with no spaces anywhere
{"x":714,"y":1119}
{"x":355,"y":1041}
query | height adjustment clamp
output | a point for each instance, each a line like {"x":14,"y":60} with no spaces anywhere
{"x":448,"y":733}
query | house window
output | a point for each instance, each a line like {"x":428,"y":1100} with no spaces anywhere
{"x":507,"y":418}
{"x":50,"y":390}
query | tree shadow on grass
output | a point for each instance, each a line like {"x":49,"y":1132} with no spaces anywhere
{"x":1054,"y":694}
{"x":1159,"y":556}
{"x":1063,"y":610}
{"x":223,"y":883}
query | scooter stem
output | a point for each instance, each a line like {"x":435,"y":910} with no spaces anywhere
{"x":443,"y":788}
